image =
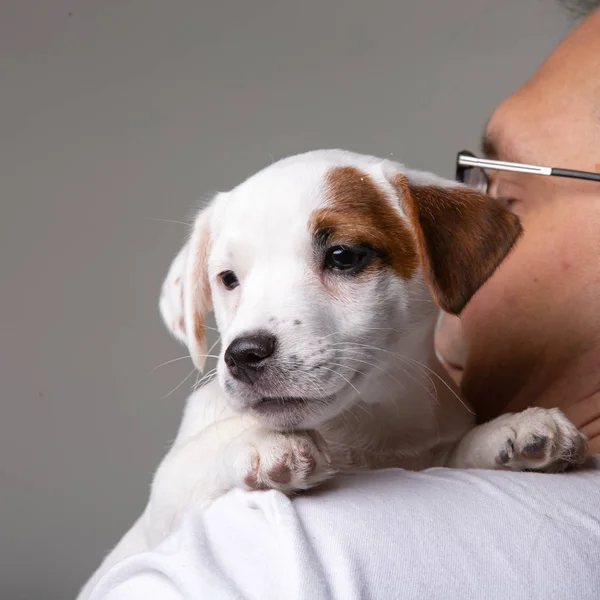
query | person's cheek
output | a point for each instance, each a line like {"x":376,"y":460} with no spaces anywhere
{"x":496,"y":305}
{"x":496,"y":328}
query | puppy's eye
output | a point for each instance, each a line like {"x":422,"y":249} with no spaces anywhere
{"x":346,"y":258}
{"x":229,"y":279}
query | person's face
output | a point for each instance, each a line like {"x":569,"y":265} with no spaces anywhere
{"x":539,"y":311}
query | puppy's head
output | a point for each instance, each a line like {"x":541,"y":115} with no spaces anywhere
{"x":316,"y":259}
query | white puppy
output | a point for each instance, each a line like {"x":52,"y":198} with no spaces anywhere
{"x":324,"y":271}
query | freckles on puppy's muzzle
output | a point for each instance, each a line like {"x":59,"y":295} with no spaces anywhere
{"x":247,"y":355}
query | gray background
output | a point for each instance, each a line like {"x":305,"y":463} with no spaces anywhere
{"x":115,"y":113}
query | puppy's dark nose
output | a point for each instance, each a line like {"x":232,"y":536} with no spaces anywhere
{"x":247,"y":354}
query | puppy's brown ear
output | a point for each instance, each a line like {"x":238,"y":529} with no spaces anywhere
{"x":462,"y":237}
{"x":186,"y":297}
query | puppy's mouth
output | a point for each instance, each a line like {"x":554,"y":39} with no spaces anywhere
{"x":279,"y":404}
{"x":279,"y":410}
{"x":288,"y":411}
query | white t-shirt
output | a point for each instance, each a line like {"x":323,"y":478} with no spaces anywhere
{"x":390,"y":534}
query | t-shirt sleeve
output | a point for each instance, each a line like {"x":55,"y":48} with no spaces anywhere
{"x":439,"y":534}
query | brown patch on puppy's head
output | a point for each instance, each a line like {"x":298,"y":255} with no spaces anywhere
{"x":360,"y":213}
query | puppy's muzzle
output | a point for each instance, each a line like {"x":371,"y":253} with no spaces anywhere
{"x":247,"y":355}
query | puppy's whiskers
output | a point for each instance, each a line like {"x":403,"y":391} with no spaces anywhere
{"x":432,"y":391}
{"x":345,"y":351}
{"x":362,"y":373}
{"x":170,"y":221}
{"x":426,"y":368}
{"x":211,"y":329}
{"x":168,"y":362}
{"x":412,"y":362}
{"x":180,"y":384}
{"x":362,"y":407}
{"x":344,"y":378}
{"x":364,"y":328}
{"x":215,"y":344}
{"x":207,"y":356}
{"x":209,"y":376}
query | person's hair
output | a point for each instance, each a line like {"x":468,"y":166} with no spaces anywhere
{"x":580,"y":8}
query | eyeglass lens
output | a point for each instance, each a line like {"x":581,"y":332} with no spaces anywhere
{"x":476,"y":178}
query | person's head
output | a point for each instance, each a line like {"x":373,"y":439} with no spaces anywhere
{"x":534,"y":327}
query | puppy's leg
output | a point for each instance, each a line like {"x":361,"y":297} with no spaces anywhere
{"x":536,"y":439}
{"x":227,"y":454}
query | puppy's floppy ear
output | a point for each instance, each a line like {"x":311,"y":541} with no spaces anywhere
{"x":171,"y":297}
{"x":462,"y":237}
{"x":186,"y":298}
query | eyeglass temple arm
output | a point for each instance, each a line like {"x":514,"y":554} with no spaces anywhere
{"x":465,"y":160}
{"x":575,"y":174}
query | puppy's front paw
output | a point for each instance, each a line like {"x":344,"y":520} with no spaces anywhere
{"x":539,"y":439}
{"x":289,"y":462}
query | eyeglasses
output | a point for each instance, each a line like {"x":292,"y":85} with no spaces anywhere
{"x":472,"y":171}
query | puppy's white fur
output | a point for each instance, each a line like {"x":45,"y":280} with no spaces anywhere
{"x":358,"y":350}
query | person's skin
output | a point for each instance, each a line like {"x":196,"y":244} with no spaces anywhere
{"x":531,"y":335}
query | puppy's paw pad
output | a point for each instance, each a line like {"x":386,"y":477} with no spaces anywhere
{"x":250,"y":470}
{"x":281,"y":472}
{"x":286,"y":462}
{"x":541,"y":439}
